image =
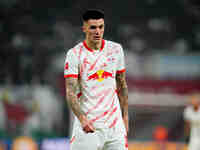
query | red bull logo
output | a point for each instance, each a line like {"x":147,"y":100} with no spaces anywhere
{"x":100,"y":75}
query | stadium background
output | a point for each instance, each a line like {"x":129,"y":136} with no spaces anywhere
{"x":161,"y":40}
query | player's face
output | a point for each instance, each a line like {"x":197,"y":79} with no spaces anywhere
{"x":195,"y":101}
{"x":94,"y":30}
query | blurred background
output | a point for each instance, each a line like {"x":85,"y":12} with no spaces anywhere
{"x":161,"y":40}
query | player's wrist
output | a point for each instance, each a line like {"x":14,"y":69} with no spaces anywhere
{"x":83,"y":119}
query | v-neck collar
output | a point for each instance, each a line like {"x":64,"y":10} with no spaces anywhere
{"x":91,"y":50}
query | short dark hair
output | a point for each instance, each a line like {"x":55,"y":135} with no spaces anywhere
{"x":92,"y":14}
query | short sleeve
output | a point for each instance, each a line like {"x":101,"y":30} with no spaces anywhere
{"x":121,"y":61}
{"x":71,"y":65}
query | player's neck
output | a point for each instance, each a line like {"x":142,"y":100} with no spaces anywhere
{"x":94,"y":45}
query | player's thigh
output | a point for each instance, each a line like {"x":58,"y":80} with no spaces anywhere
{"x":119,"y":143}
{"x":85,"y":141}
{"x":194,"y":146}
{"x":115,"y":146}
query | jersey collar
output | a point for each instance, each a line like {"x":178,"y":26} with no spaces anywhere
{"x":91,"y":50}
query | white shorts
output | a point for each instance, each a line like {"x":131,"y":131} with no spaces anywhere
{"x":101,"y":139}
{"x":194,"y":145}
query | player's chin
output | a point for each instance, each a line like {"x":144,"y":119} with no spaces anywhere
{"x":97,"y":40}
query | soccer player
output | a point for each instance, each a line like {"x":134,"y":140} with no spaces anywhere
{"x":192,"y":123}
{"x":96,"y":89}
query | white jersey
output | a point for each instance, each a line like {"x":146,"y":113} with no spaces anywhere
{"x":96,"y":71}
{"x":194,"y":118}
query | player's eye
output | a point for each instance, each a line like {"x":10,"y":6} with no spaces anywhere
{"x":93,"y":27}
{"x":101,"y":27}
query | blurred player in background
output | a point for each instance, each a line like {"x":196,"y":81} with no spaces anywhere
{"x":96,"y":89}
{"x":192,"y":122}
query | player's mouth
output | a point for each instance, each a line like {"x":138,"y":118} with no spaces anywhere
{"x":97,"y":37}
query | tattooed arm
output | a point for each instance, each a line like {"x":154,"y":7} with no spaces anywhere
{"x":123,"y":97}
{"x":71,"y":86}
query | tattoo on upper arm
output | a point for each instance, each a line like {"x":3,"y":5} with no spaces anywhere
{"x":71,"y":87}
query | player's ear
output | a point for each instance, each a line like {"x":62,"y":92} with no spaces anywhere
{"x":83,"y":28}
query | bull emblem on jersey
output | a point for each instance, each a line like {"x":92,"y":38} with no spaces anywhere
{"x":100,"y":75}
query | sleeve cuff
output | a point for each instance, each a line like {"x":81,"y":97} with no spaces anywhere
{"x":120,"y":71}
{"x":71,"y":76}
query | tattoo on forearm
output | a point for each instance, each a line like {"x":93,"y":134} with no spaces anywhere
{"x":122,"y":92}
{"x":71,"y":87}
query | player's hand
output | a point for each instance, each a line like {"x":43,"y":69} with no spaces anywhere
{"x":87,"y":125}
{"x":126,"y":120}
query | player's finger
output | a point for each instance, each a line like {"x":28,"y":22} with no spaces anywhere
{"x":88,"y":129}
{"x":91,"y":126}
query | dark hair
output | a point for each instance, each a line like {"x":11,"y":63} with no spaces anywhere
{"x":92,"y":14}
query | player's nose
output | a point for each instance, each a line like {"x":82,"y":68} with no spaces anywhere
{"x":98,"y":31}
